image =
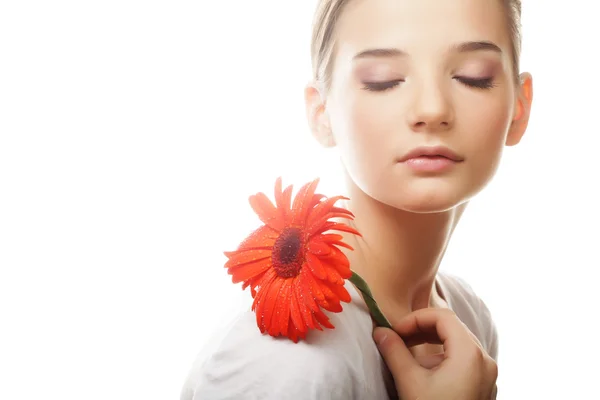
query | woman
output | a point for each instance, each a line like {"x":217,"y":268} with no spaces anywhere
{"x":419,"y":98}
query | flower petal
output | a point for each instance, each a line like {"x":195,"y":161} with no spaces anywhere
{"x":266,"y":211}
{"x":340,"y":292}
{"x":237,"y":258}
{"x":310,"y":297}
{"x":270,"y":301}
{"x":295,"y":312}
{"x":318,"y":247}
{"x":302,"y":294}
{"x":321,"y":225}
{"x":293,"y":333}
{"x":314,"y":286}
{"x":324,"y":320}
{"x":337,"y":226}
{"x":330,"y":237}
{"x":278,"y":197}
{"x":250,"y":270}
{"x":315,"y":265}
{"x":257,"y":307}
{"x":281,"y":318}
{"x":333,"y":296}
{"x":263,"y":283}
{"x":343,"y":211}
{"x":317,"y":197}
{"x":334,"y":239}
{"x":259,"y":301}
{"x":321,"y":209}
{"x":302,"y":201}
{"x":261,"y":238}
{"x":315,"y":321}
{"x":344,"y":272}
{"x":253,"y":282}
{"x":338,"y":260}
{"x":286,"y":201}
{"x":332,"y":305}
{"x":343,"y":244}
{"x":333,"y":275}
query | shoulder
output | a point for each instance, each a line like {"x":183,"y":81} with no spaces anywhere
{"x":244,"y":364}
{"x":472,"y":311}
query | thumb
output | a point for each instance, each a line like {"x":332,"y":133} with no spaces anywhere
{"x":398,"y":358}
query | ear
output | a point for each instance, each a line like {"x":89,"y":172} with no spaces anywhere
{"x":316,"y":114}
{"x":522,"y":110}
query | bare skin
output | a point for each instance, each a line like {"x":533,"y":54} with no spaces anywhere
{"x":463,"y":371}
{"x":444,"y":78}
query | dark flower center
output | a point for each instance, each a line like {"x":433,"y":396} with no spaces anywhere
{"x":287,"y":256}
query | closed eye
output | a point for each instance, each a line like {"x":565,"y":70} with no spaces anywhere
{"x":381,"y":86}
{"x":479,"y":83}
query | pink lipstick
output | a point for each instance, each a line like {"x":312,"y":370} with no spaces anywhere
{"x":431,"y":159}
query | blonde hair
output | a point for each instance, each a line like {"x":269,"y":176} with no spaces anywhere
{"x":329,"y":11}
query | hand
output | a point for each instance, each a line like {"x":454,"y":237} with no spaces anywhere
{"x":464,"y":371}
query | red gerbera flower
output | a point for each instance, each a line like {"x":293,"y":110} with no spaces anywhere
{"x":294,"y":269}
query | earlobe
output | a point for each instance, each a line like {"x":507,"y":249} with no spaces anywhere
{"x":522,"y":110}
{"x":316,"y":115}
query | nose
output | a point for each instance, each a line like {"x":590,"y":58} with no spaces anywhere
{"x":431,"y":109}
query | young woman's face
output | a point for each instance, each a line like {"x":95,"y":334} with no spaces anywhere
{"x":431,"y":75}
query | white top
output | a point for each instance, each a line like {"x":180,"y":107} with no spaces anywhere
{"x":333,"y":364}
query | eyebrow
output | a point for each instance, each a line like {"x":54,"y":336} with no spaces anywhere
{"x":379,"y":53}
{"x":467,"y":47}
{"x":464,"y":47}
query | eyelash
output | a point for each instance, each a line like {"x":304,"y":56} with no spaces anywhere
{"x":381,"y":86}
{"x":485,"y":83}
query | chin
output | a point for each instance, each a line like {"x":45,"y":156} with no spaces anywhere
{"x":426,"y":206}
{"x":428,"y":197}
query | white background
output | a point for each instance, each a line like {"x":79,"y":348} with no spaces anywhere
{"x":132,"y":133}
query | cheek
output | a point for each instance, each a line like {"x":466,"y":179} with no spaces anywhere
{"x":489,"y":122}
{"x":364,"y":133}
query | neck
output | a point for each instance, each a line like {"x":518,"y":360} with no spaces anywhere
{"x":399,"y":252}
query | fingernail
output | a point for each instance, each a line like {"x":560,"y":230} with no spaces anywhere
{"x":379,"y":336}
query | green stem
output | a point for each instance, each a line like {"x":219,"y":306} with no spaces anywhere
{"x":376,"y":313}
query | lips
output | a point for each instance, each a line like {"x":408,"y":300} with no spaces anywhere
{"x":432,"y":152}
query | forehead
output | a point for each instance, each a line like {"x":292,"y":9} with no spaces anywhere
{"x":420,"y":25}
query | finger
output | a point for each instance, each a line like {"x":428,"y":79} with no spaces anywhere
{"x":398,"y":358}
{"x":420,"y":338}
{"x":492,"y":369}
{"x":442,"y":323}
{"x":475,"y":338}
{"x":430,"y":361}
{"x":433,"y":338}
{"x":494,"y":393}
